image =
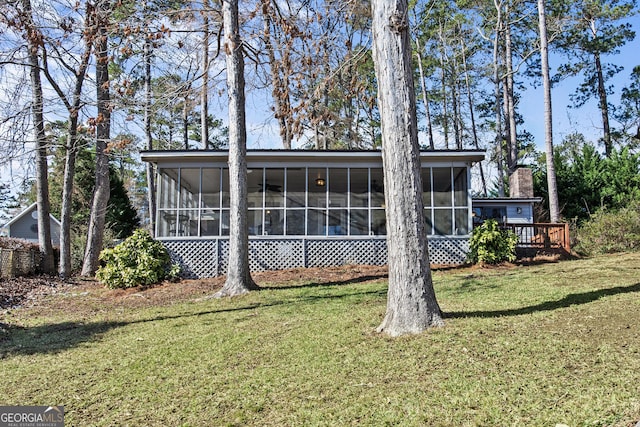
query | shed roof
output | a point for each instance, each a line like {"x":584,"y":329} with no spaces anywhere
{"x":501,"y":200}
{"x":262,"y":155}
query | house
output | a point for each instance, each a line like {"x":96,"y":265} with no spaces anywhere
{"x":25,"y":226}
{"x":307,"y":208}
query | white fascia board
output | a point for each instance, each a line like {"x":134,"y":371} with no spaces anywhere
{"x":263,"y":158}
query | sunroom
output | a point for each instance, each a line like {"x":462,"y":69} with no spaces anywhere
{"x":306,"y":208}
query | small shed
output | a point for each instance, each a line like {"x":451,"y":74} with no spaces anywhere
{"x":25,"y":226}
{"x":505,"y":210}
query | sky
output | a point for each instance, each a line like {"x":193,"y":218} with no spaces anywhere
{"x":587,"y":119}
{"x":263,"y":132}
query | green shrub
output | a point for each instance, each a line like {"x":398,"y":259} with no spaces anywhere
{"x":138,"y":260}
{"x":611,"y":231}
{"x":490,"y":245}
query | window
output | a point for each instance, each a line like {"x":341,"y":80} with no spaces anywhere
{"x":301,"y":201}
{"x":445,"y":193}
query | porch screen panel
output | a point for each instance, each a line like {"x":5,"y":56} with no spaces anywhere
{"x":359,"y":222}
{"x":210,"y":222}
{"x":273,"y":222}
{"x":295,"y":220}
{"x":377,"y":188}
{"x":168,"y":189}
{"x":359,"y":188}
{"x":295,"y":201}
{"x":255,"y":188}
{"x":462,"y":222}
{"x":273,"y":188}
{"x":188,"y":213}
{"x":254,"y":220}
{"x":337,"y":222}
{"x":296,"y":188}
{"x":338,"y":188}
{"x":317,"y":188}
{"x":225,"y":188}
{"x":460,"y":187}
{"x":211,"y":189}
{"x":442,"y":196}
{"x":378,"y":222}
{"x":316,"y":222}
{"x":461,"y":199}
{"x":427,"y":199}
{"x":167,"y":220}
{"x":443,"y":221}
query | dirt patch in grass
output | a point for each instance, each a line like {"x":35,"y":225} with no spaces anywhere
{"x":82,"y":296}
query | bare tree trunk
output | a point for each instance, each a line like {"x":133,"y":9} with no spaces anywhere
{"x":64,"y":268}
{"x":604,"y":107}
{"x":42,"y":170}
{"x":411,"y":302}
{"x":72,"y":146}
{"x":425,"y":99}
{"x":279,"y":92}
{"x":512,"y":142}
{"x":185,"y":117}
{"x":239,"y":279}
{"x":474,"y":130}
{"x":95,"y":234}
{"x":151,"y":181}
{"x":443,"y":78}
{"x":497,"y":93}
{"x":552,"y":187}
{"x":457,"y":128}
{"x":204,"y":93}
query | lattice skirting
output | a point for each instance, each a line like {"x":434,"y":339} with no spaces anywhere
{"x":208,"y":258}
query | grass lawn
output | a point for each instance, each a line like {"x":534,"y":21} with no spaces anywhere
{"x":524,"y":345}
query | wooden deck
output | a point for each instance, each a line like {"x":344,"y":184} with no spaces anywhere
{"x":545,"y":236}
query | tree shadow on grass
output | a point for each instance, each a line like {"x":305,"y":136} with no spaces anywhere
{"x":567,"y":301}
{"x":360,"y":279}
{"x":53,"y":338}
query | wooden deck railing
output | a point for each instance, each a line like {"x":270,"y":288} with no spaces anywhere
{"x":542,"y":235}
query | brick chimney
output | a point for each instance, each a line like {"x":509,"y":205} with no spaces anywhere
{"x":521,"y":183}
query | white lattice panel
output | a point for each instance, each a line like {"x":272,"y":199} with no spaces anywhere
{"x":208,"y":258}
{"x":198,"y":258}
{"x":275,"y":254}
{"x":448,"y":250}
{"x":267,"y":254}
{"x":329,"y":252}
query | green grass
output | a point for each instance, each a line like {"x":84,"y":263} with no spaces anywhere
{"x":534,"y":346}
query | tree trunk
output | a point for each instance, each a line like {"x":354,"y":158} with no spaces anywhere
{"x":474,"y":130}
{"x":455,"y":105}
{"x":95,"y":234}
{"x":552,"y":187}
{"x":239,"y":279}
{"x":411,"y":302}
{"x":71,"y":154}
{"x":512,"y":142}
{"x":280,"y":93}
{"x":47,"y":263}
{"x":425,"y":99}
{"x":71,"y":148}
{"x":151,"y":184}
{"x":185,"y":116}
{"x":604,"y":107}
{"x":204,"y":93}
{"x":497,"y":94}
{"x":443,"y":80}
